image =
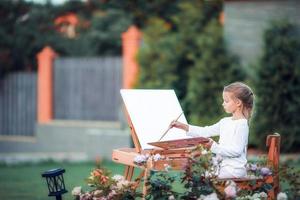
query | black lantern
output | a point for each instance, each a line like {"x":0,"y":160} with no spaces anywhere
{"x":55,"y":182}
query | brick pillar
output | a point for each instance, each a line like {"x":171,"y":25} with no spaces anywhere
{"x":45,"y":60}
{"x":131,"y":40}
{"x":222,"y":18}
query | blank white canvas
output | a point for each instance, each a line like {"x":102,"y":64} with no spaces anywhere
{"x":151,"y":112}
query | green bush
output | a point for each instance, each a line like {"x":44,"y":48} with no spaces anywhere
{"x":26,"y":28}
{"x":212,"y":70}
{"x":277,"y":86}
{"x":158,"y":56}
{"x":188,"y":55}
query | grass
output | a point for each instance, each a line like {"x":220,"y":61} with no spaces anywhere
{"x":24,"y":181}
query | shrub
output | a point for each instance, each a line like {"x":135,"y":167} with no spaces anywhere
{"x":188,"y":55}
{"x":277,"y":86}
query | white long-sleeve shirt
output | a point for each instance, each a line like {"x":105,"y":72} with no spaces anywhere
{"x":233,"y":140}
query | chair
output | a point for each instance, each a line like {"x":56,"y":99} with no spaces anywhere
{"x":273,"y":144}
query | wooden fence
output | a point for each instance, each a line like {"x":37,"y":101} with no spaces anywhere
{"x":18,"y":104}
{"x":83,"y":89}
{"x":87,"y":89}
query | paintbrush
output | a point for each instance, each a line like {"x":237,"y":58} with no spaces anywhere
{"x":169,"y":127}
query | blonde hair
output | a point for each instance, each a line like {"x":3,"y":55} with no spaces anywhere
{"x":244,"y":93}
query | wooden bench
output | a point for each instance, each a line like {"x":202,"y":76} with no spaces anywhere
{"x":273,"y":144}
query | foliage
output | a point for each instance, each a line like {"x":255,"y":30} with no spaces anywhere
{"x":277,"y":86}
{"x":106,"y":187}
{"x":200,"y":181}
{"x":23,"y":33}
{"x":161,"y":186}
{"x":26,"y":28}
{"x":143,"y":11}
{"x":200,"y":173}
{"x":159,"y":73}
{"x":290,"y":176}
{"x":213,"y":69}
{"x":188,"y":54}
{"x":197,"y":179}
{"x":100,"y":179}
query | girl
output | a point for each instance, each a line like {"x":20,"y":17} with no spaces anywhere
{"x":233,"y":131}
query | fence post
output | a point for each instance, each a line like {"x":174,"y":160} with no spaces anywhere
{"x":131,"y":40}
{"x":222,"y":17}
{"x":44,"y":81}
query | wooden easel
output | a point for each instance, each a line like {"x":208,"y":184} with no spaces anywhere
{"x":157,"y":107}
{"x":175,"y":153}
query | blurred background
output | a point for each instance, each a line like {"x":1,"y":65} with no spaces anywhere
{"x":62,"y":64}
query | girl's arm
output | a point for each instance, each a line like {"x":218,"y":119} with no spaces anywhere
{"x":206,"y":131}
{"x":197,"y":131}
{"x":236,"y":146}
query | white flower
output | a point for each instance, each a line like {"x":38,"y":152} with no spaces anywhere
{"x":204,"y":152}
{"x":247,"y":197}
{"x":171,"y":197}
{"x":156,"y":157}
{"x":118,"y":177}
{"x":76,"y":191}
{"x":122,"y":184}
{"x":253,"y":167}
{"x":85,"y":196}
{"x":251,"y":176}
{"x":212,"y":196}
{"x":255,"y":196}
{"x":282,"y":196}
{"x":216,"y":160}
{"x":98,"y":193}
{"x":139,"y":159}
{"x":201,"y":197}
{"x":208,"y":174}
{"x":230,"y":190}
{"x":111,"y":194}
{"x":231,"y":183}
{"x":265,"y":171}
{"x":167,"y":167}
{"x":263,"y":195}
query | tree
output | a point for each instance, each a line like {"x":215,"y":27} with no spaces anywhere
{"x":214,"y":68}
{"x":27,"y":27}
{"x":158,"y":56}
{"x":277,"y":86}
{"x":143,"y":11}
{"x":99,"y":30}
{"x":188,"y":54}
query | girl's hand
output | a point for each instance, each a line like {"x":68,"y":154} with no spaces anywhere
{"x":208,"y":144}
{"x":179,"y":125}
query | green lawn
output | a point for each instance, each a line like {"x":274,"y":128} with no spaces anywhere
{"x":24,"y":181}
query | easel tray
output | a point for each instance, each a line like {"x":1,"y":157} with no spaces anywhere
{"x":180,"y":143}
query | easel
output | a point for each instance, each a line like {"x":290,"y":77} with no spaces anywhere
{"x":174,"y":156}
{"x":158,"y":107}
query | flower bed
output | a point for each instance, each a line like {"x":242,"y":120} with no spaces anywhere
{"x":106,"y":187}
{"x":199,"y":181}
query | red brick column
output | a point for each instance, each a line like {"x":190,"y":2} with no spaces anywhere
{"x":131,"y":40}
{"x":222,"y":18}
{"x":45,"y":60}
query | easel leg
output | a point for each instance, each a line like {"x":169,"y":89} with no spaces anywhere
{"x":139,"y":179}
{"x":146,"y":175}
{"x":128,"y":173}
